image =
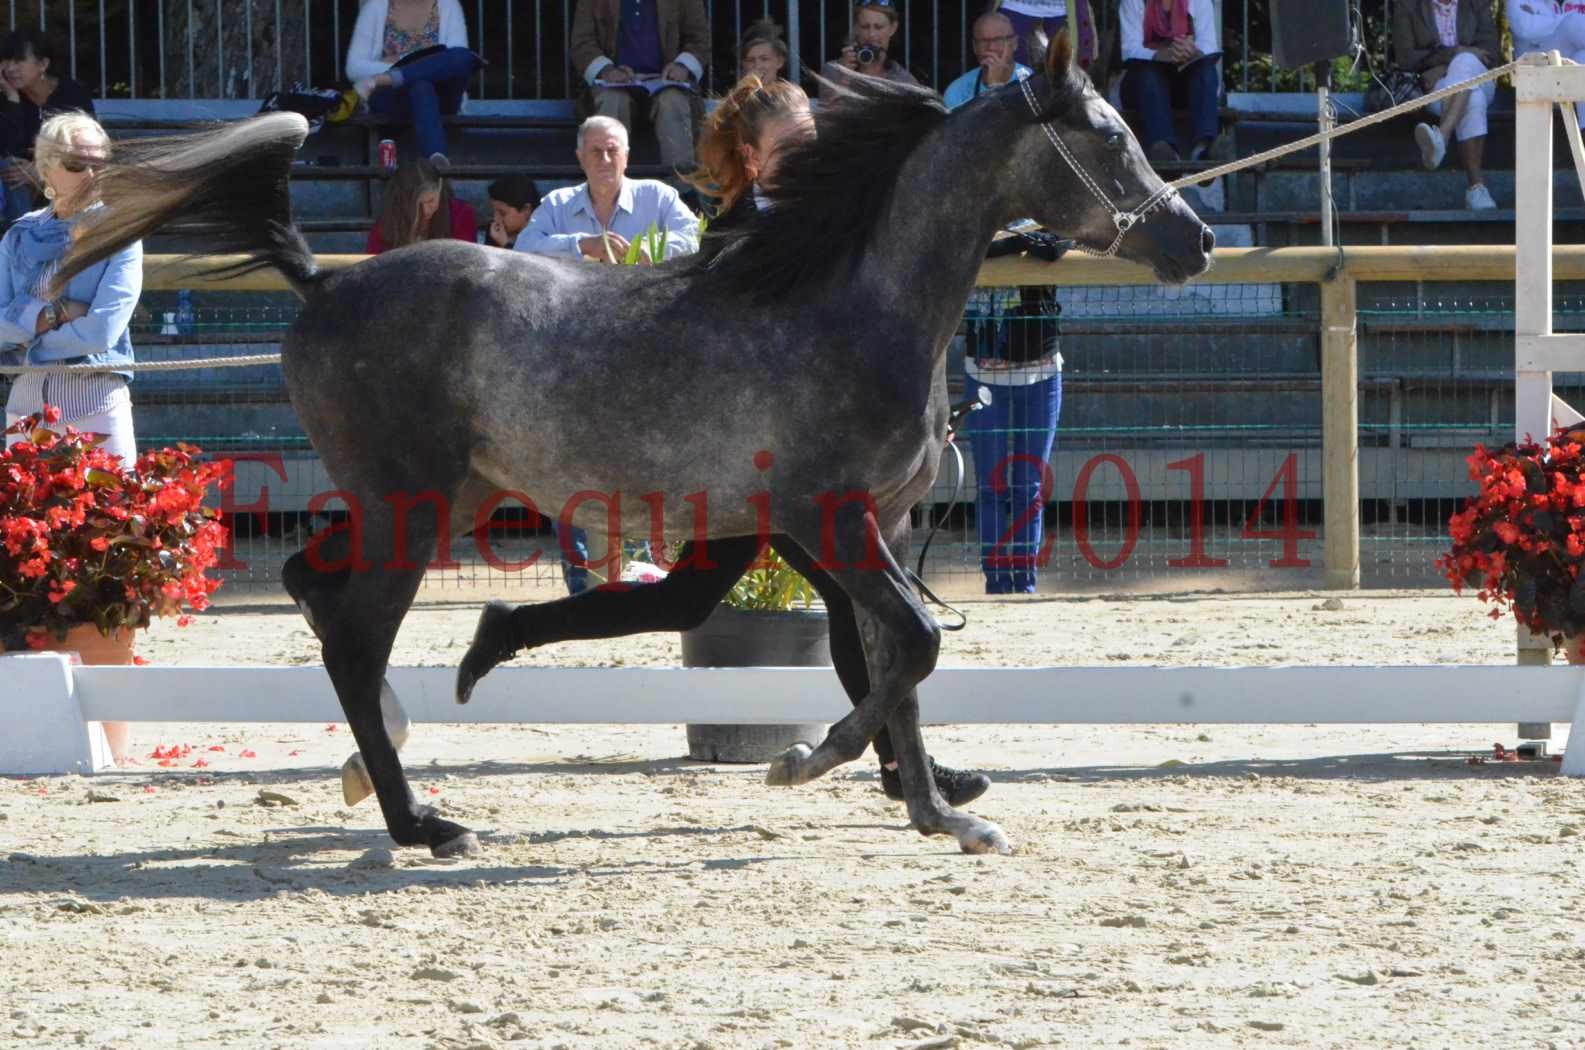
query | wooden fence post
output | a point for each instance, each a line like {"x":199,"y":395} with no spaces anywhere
{"x":1340,"y":430}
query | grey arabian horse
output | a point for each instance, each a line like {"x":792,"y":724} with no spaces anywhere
{"x":807,"y":404}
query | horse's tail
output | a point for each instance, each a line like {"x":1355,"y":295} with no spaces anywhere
{"x":232,"y":181}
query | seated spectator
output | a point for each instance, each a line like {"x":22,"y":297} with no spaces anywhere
{"x":994,"y":46}
{"x":1171,"y":53}
{"x":418,"y":206}
{"x":763,"y":52}
{"x":1446,"y":42}
{"x":875,"y":22}
{"x":599,"y":218}
{"x":513,"y":199}
{"x":1052,"y":17}
{"x":742,"y":143}
{"x":652,"y":55}
{"x":31,"y":93}
{"x":1549,"y":25}
{"x":409,"y":61}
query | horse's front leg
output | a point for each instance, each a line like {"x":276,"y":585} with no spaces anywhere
{"x":927,"y":810}
{"x":900,"y":638}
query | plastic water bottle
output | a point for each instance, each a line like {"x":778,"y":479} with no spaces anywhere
{"x":186,"y":319}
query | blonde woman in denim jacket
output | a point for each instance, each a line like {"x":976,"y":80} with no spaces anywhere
{"x":89,"y":324}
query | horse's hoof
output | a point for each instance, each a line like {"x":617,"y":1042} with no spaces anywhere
{"x":786,"y":769}
{"x":463,"y":845}
{"x":355,"y":783}
{"x":988,"y":839}
{"x":493,"y":641}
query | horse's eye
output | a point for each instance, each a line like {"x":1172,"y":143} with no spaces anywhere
{"x":1116,"y":141}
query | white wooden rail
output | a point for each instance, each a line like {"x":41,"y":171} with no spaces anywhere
{"x":43,"y":698}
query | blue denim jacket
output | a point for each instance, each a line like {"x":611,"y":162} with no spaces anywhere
{"x":111,"y":287}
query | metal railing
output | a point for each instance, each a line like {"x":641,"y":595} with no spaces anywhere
{"x":247,"y":48}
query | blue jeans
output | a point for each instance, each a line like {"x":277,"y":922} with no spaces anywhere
{"x":429,"y":89}
{"x":18,"y":199}
{"x":1151,"y":87}
{"x":577,"y":542}
{"x":1012,"y":439}
{"x":1024,"y":24}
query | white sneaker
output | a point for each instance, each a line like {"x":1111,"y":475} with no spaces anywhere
{"x":1433,"y":147}
{"x":1478,"y":198}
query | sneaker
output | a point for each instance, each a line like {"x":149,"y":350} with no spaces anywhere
{"x":440,"y":161}
{"x":1478,"y":198}
{"x":1201,"y":150}
{"x":1433,"y":147}
{"x":957,"y":786}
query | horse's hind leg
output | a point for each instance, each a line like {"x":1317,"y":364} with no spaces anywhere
{"x":900,"y":637}
{"x":306,"y":588}
{"x":356,"y":614}
{"x":679,"y":602}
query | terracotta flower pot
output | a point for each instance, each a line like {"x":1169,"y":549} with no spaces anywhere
{"x":95,"y":650}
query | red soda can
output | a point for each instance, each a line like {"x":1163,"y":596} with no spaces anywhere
{"x":388,"y":154}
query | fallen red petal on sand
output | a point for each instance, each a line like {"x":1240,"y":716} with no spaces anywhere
{"x":201,"y":764}
{"x":293,"y":754}
{"x":217,"y":747}
{"x":249,"y":753}
{"x":331,"y":728}
{"x":140,"y":661}
{"x":167,"y":762}
{"x":148,"y":789}
{"x":434,"y":791}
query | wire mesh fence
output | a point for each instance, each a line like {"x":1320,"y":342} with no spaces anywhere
{"x":1178,"y":447}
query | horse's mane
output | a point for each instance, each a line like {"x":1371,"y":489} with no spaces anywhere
{"x":830,"y":192}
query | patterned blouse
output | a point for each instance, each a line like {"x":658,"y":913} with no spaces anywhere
{"x":399,"y":41}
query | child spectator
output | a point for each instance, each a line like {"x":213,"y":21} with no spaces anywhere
{"x":418,"y":206}
{"x":513,"y":199}
{"x":763,"y":52}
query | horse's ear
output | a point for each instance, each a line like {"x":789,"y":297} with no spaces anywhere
{"x":1059,"y":57}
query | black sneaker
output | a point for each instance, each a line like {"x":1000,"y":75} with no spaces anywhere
{"x":958,"y":787}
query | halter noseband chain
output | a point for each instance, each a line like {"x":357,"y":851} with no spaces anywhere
{"x":1123,"y":220}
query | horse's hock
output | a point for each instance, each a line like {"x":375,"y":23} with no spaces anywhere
{"x":736,"y":638}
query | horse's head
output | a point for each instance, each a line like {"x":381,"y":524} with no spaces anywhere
{"x":1077,"y":169}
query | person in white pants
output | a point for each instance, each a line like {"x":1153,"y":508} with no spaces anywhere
{"x":1548,"y":25}
{"x":1447,"y":42}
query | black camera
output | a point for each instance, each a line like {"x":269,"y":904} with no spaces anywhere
{"x":868,"y":54}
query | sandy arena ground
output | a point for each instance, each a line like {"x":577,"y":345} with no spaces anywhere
{"x":1173,"y":887}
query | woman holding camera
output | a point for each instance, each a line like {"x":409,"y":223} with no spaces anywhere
{"x":875,"y":23}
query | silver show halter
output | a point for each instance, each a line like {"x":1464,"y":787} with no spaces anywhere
{"x":1123,"y":220}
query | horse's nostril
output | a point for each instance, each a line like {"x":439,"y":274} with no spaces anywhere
{"x":1207,"y":240}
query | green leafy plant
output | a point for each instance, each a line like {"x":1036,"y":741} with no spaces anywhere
{"x":771,"y":586}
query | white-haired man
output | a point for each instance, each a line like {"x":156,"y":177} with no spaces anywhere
{"x":599,"y":218}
